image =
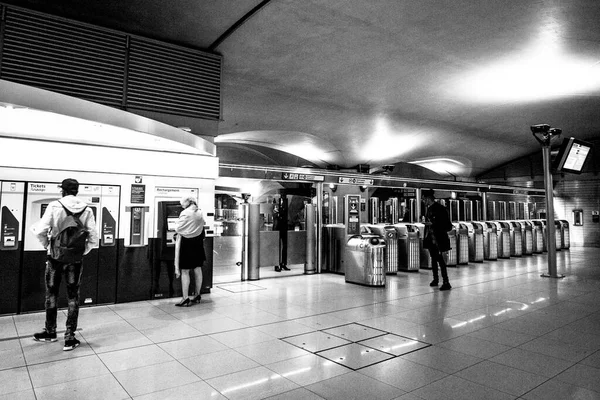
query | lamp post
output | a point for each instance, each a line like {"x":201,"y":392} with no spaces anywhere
{"x":543,"y":134}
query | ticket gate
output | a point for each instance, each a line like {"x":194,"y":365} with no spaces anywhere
{"x":503,"y":232}
{"x":462,"y":243}
{"x":539,"y":236}
{"x":515,"y":235}
{"x":334,"y":247}
{"x":390,"y":237}
{"x":527,"y":236}
{"x":98,"y":281}
{"x":558,"y":235}
{"x":475,"y":240}
{"x":565,"y":234}
{"x":424,"y":256}
{"x":451,"y":256}
{"x":12,"y":195}
{"x":409,"y":246}
{"x":490,"y":240}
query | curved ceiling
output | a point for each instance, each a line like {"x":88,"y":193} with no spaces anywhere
{"x":455,"y":84}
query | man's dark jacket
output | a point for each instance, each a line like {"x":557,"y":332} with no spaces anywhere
{"x":440,"y":225}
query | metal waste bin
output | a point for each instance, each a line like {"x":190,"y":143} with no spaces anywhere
{"x":565,"y":242}
{"x":364,"y":260}
{"x":490,"y":240}
{"x":390,"y":236}
{"x":539,"y":236}
{"x":462,"y":243}
{"x":424,"y":256}
{"x":409,"y":246}
{"x":334,"y":247}
{"x":475,"y":240}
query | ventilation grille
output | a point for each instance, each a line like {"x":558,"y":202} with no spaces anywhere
{"x":173,"y":80}
{"x":63,"y":56}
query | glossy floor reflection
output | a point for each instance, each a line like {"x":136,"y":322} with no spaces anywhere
{"x":502,"y":332}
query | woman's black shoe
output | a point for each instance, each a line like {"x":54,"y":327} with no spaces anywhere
{"x":184,"y":303}
{"x":284,"y":267}
{"x":196,"y":300}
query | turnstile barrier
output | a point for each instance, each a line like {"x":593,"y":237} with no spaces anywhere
{"x":475,"y":240}
{"x":424,"y":256}
{"x":451,"y":256}
{"x":409,"y":246}
{"x":462,"y":243}
{"x":334,"y":243}
{"x":390,"y":236}
{"x":539,"y":236}
{"x":565,"y":234}
{"x":490,"y":241}
{"x":527,"y":236}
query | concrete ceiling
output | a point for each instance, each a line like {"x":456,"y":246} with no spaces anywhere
{"x":347,"y":82}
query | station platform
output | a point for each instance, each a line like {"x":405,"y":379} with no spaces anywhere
{"x":502,"y":332}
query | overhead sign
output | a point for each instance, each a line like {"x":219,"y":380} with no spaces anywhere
{"x":302,"y":177}
{"x":355,"y":181}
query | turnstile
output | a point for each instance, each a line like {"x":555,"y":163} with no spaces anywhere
{"x":475,"y":240}
{"x":527,"y":236}
{"x":462,"y":243}
{"x":565,"y":234}
{"x":516,"y":240}
{"x":424,"y":256}
{"x":503,"y":231}
{"x":390,"y":236}
{"x":558,"y":235}
{"x":409,"y":246}
{"x":539,"y":236}
{"x":334,"y":247}
{"x":451,"y":256}
{"x":490,"y":240}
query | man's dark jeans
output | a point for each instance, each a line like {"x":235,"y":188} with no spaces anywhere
{"x":438,"y":258}
{"x":54,"y":272}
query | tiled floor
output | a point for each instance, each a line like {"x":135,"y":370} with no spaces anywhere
{"x":503,"y":332}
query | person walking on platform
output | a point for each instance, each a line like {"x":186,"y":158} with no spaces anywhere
{"x":281,"y":225}
{"x":68,"y":231}
{"x":189,"y":249}
{"x":436,"y":237}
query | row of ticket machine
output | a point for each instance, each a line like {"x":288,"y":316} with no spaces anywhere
{"x":384,"y":249}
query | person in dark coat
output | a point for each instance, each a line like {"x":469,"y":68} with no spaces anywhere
{"x":436,"y":239}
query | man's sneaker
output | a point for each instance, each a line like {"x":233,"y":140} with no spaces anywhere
{"x":70,"y":344}
{"x":445,"y":286}
{"x":45,"y":336}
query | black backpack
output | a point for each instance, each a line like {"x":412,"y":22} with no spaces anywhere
{"x":69,"y":245}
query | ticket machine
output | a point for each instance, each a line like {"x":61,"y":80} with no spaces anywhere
{"x":164,"y":248}
{"x":11,"y":238}
{"x":98,"y":285}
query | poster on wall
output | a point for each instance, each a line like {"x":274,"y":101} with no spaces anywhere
{"x":138,"y":194}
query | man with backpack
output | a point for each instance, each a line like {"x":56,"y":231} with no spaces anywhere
{"x":68,"y":231}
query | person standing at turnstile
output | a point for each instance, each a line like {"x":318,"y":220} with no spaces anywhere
{"x":281,"y":225}
{"x":436,"y":237}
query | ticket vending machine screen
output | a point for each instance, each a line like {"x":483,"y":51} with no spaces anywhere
{"x":172,"y":213}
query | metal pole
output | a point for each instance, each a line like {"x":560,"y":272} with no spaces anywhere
{"x":253,"y":242}
{"x":550,"y":227}
{"x":309,"y":214}
{"x":484,"y":206}
{"x":320,"y":237}
{"x":244,"y":218}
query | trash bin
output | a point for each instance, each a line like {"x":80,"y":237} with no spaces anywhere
{"x":462,"y":243}
{"x":539,"y":236}
{"x":335,"y":242}
{"x":424,"y":256}
{"x":364,"y":260}
{"x":490,"y":240}
{"x":565,"y":234}
{"x":475,"y":240}
{"x":409,"y":246}
{"x":390,"y":236}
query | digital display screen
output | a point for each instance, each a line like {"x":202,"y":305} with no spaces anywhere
{"x":572,"y":155}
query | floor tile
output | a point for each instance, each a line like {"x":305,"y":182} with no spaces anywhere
{"x":354,"y":386}
{"x":308,"y":369}
{"x":475,"y":347}
{"x":212,"y":365}
{"x":354,"y":332}
{"x":442,"y":359}
{"x":242,"y":337}
{"x":454,"y":388}
{"x":153,"y":378}
{"x":78,"y":368}
{"x":271,"y":351}
{"x":92,"y":388}
{"x":393,"y":344}
{"x":316,"y":341}
{"x":355,"y":355}
{"x":297,"y":394}
{"x":506,"y":379}
{"x":256,"y":383}
{"x":582,"y":376}
{"x":14,"y":380}
{"x":191,"y":347}
{"x":403,"y":374}
{"x":285,"y":329}
{"x":134,"y":358}
{"x":196,"y":390}
{"x":555,"y":389}
{"x":113,"y":342}
{"x":535,"y":363}
{"x":502,"y":336}
{"x":557,"y":349}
